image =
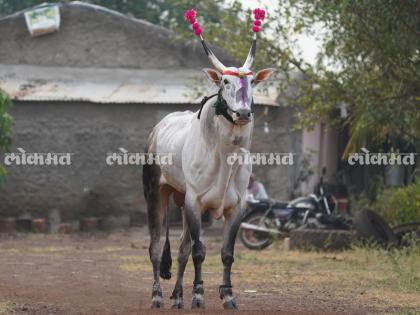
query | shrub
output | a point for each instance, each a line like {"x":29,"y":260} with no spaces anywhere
{"x":399,"y":205}
{"x":395,"y":205}
{"x":5,"y":126}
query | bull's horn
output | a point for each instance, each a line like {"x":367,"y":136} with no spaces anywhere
{"x":251,"y":55}
{"x":212,"y":57}
{"x":190,"y":16}
{"x":259,"y":16}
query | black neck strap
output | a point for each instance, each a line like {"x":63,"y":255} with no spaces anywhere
{"x":204,"y":101}
{"x":220,"y":106}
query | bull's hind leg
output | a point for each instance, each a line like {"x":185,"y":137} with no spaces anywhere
{"x":184,"y":253}
{"x":231,"y":226}
{"x":198,"y":252}
{"x":155,"y":197}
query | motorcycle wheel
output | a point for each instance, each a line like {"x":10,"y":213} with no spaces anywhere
{"x":402,"y":230}
{"x":254,"y":239}
{"x":371,"y":226}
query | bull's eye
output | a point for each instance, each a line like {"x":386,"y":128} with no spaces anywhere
{"x":252,"y":81}
{"x":226,"y":81}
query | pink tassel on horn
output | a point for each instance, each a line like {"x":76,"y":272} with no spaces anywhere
{"x":259,"y":15}
{"x":190,"y":16}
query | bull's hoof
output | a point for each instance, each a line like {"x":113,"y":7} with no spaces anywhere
{"x":230,"y":305}
{"x":197,"y":301}
{"x":178,"y":304}
{"x":198,"y":296}
{"x":157,"y":298}
{"x":226,"y":294}
{"x":157,"y":302}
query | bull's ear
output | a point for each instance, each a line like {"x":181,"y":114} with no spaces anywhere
{"x":263,"y":75}
{"x":213,"y":75}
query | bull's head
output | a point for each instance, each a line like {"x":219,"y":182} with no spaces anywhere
{"x":235,"y":84}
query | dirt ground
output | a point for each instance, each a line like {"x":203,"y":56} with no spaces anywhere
{"x":111,"y":274}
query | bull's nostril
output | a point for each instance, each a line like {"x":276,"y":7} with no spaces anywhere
{"x":249,"y":114}
{"x":237,"y":114}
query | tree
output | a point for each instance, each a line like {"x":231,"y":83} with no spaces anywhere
{"x":369,"y":61}
{"x":5,"y":126}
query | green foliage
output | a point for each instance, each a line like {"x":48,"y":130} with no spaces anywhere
{"x":5,"y":126}
{"x":369,"y":61}
{"x":399,"y":205}
{"x":375,"y":77}
{"x":395,"y":205}
{"x":9,"y":7}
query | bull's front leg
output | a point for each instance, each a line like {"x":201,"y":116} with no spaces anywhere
{"x":198,"y":252}
{"x":232,"y":223}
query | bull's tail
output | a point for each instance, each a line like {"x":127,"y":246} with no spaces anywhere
{"x":151,"y":175}
{"x":166,"y":260}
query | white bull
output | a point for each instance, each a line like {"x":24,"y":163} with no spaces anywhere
{"x":201,"y":177}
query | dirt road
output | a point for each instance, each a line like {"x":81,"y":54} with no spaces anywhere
{"x":111,"y":274}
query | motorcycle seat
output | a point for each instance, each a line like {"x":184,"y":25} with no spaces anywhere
{"x":279,"y":204}
{"x":282,"y":214}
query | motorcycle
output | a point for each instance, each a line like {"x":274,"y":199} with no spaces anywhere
{"x":265,"y":220}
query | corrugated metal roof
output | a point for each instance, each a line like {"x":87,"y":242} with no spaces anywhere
{"x":36,"y":83}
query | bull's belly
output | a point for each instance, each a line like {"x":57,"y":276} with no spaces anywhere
{"x":217,"y":203}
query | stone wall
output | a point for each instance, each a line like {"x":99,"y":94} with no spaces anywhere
{"x":89,"y":131}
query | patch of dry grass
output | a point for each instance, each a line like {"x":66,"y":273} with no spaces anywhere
{"x":6,"y":307}
{"x":372,"y":276}
{"x":363,"y":275}
{"x":380,"y":279}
